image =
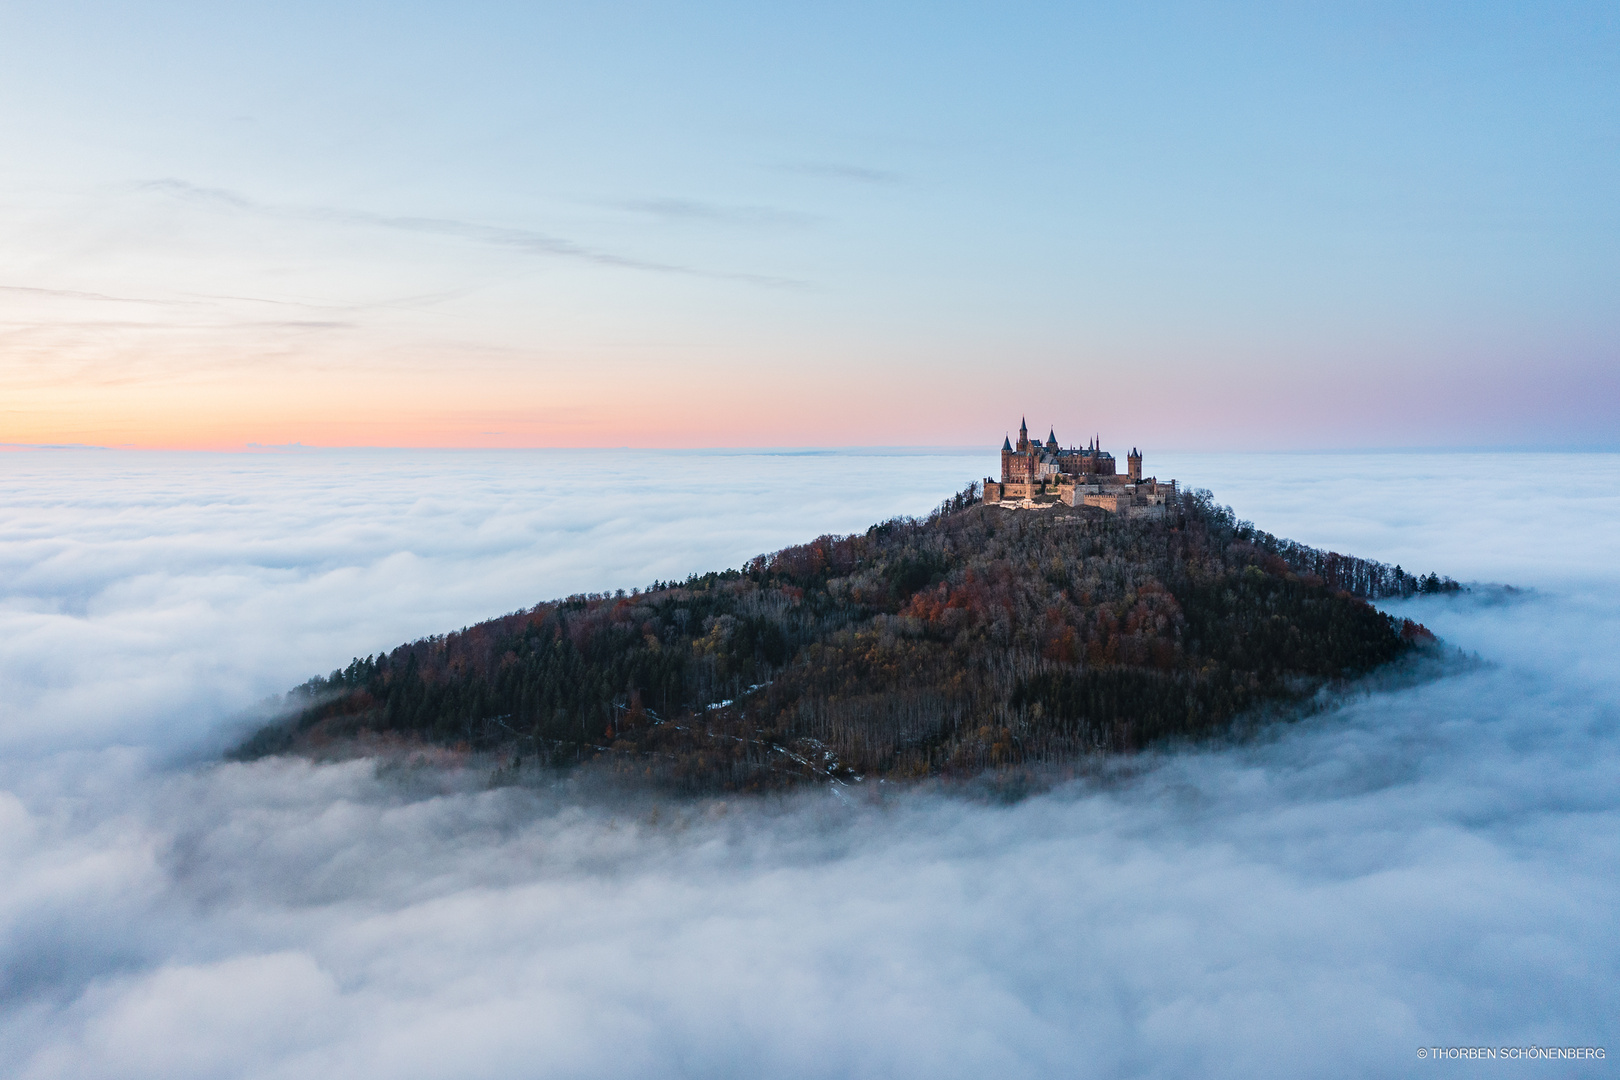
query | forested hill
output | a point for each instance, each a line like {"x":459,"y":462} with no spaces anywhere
{"x":975,"y":638}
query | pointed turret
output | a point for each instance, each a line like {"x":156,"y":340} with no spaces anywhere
{"x":1006,"y":445}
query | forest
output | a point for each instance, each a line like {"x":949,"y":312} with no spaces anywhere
{"x":974,"y":639}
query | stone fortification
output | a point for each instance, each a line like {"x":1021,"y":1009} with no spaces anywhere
{"x":1036,"y":475}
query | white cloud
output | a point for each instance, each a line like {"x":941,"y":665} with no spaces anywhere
{"x":1426,"y":865}
{"x":146,"y":595}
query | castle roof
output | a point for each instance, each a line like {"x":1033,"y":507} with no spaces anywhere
{"x":1006,"y":444}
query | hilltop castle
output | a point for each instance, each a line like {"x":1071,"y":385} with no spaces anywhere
{"x":1038,"y":475}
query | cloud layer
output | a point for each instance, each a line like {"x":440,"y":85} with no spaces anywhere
{"x":145,"y":595}
{"x":1426,"y":865}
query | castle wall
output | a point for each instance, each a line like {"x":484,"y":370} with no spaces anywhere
{"x":1077,"y":477}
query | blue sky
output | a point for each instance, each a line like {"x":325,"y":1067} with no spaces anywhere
{"x":724,"y":224}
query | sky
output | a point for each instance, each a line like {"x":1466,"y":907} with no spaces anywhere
{"x":489,"y":224}
{"x":1428,"y":864}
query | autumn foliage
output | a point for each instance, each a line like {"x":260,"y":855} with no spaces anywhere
{"x":976,"y":638}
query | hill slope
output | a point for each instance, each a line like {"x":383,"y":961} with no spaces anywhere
{"x":978,"y":637}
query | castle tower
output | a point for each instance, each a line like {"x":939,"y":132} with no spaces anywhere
{"x":1023,"y":436}
{"x":1134,"y":464}
{"x":1006,"y":460}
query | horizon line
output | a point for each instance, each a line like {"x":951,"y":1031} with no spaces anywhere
{"x":251,"y":448}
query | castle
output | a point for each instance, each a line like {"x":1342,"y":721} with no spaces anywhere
{"x":1035,"y":475}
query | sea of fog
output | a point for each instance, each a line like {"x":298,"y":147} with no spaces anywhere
{"x":1430,"y":866}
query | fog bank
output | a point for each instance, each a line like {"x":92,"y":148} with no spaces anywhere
{"x":144,"y":596}
{"x":1435,"y":865}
